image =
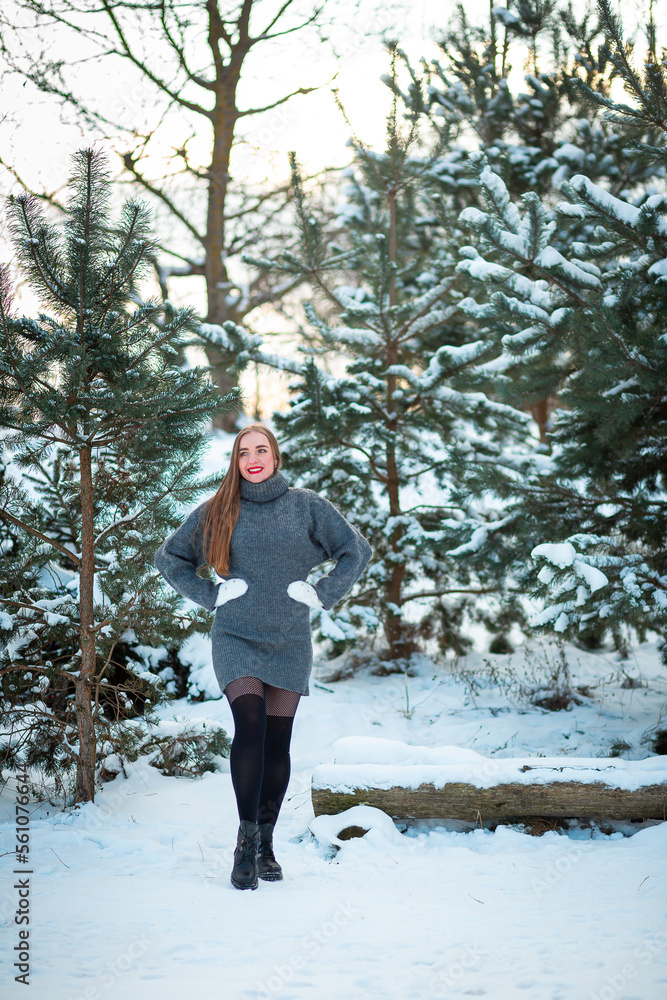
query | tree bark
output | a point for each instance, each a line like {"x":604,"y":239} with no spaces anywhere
{"x":541,"y":412}
{"x":85,"y":771}
{"x":224,"y":118}
{"x":512,"y":802}
{"x":398,"y":643}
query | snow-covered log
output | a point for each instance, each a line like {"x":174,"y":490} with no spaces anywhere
{"x":501,"y":789}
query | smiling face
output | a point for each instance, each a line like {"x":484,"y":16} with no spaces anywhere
{"x":256,"y":459}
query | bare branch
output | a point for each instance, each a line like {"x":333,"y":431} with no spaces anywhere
{"x":180,"y":50}
{"x":258,"y":199}
{"x":288,"y":31}
{"x":193,"y":266}
{"x":127,"y":53}
{"x":42,"y":195}
{"x":129,"y":163}
{"x":441,"y":593}
{"x":163,"y":274}
{"x":216,"y":30}
{"x":276,"y":104}
{"x":281,"y":11}
{"x":274,"y":293}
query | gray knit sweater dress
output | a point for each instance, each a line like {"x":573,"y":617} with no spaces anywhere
{"x":281,"y":534}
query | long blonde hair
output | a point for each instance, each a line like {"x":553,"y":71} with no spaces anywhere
{"x":222,"y":511}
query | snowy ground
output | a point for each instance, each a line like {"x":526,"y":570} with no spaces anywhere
{"x":131,"y":896}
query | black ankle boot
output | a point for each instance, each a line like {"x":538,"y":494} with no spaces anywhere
{"x":267,"y":866}
{"x":244,"y":872}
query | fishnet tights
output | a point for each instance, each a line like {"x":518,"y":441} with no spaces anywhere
{"x":259,"y":758}
{"x":278,"y":700}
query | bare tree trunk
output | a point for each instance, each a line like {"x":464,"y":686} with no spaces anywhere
{"x":540,"y":412}
{"x":85,"y":771}
{"x":220,"y":361}
{"x":398,"y":643}
{"x":225,"y":117}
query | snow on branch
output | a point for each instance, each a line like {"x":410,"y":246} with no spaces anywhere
{"x":246,"y":346}
{"x":576,"y":570}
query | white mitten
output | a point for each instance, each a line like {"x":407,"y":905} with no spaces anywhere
{"x":229,"y":589}
{"x":304,"y":593}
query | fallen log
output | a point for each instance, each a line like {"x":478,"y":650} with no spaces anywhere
{"x":499,"y":790}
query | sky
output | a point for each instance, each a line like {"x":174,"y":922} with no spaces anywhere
{"x":37,"y":142}
{"x":37,"y":138}
{"x":353,"y":61}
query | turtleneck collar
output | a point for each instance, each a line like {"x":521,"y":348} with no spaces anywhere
{"x":270,"y":489}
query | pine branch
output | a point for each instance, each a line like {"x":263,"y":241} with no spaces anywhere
{"x":17,"y":522}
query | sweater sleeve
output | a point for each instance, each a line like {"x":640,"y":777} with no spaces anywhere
{"x":342,"y":543}
{"x":180,"y":556}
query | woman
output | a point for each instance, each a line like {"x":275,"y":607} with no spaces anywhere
{"x":263,"y":537}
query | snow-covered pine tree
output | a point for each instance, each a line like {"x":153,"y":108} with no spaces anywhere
{"x":598,"y":508}
{"x":102,"y":432}
{"x":387,"y":399}
{"x":534,"y":135}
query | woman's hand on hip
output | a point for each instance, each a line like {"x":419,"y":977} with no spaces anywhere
{"x":229,"y":590}
{"x":304,"y":593}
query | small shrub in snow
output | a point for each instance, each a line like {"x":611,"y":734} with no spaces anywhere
{"x":543,"y":680}
{"x":188,"y":750}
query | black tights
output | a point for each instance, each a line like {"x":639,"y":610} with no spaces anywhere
{"x":259,"y":758}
